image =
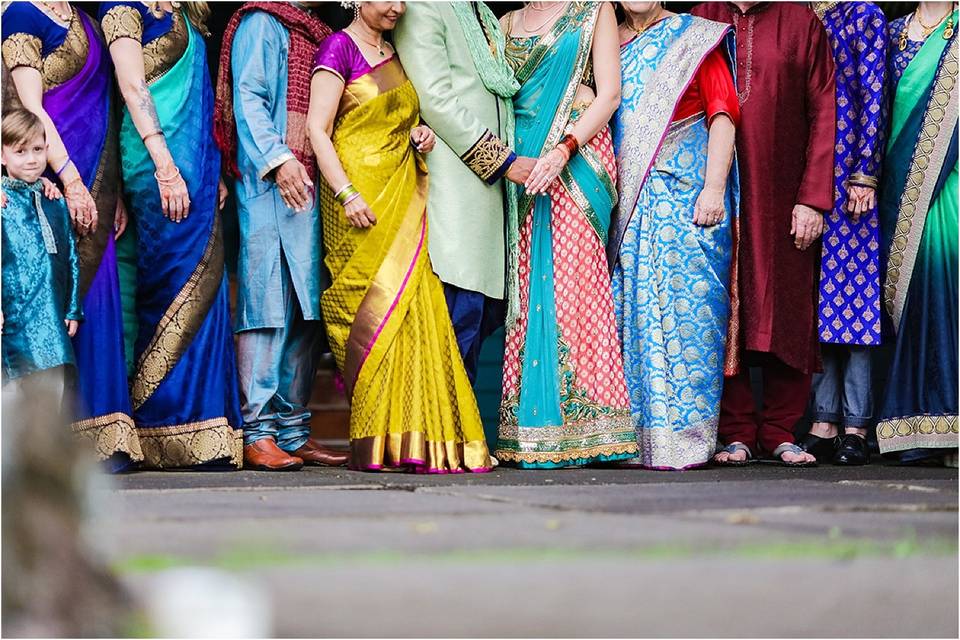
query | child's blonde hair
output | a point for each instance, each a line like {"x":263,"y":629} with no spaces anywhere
{"x":20,"y":126}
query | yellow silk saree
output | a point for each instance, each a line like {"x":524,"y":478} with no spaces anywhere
{"x":412,"y":405}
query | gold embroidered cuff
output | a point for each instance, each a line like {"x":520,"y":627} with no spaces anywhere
{"x":863,"y":180}
{"x":487,"y":156}
{"x":23,"y":50}
{"x":122,"y":22}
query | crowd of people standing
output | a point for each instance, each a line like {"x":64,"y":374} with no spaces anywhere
{"x":653,"y":204}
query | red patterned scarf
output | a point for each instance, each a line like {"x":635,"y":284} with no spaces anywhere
{"x":306,"y":33}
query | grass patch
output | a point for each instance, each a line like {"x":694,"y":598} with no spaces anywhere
{"x":254,"y":558}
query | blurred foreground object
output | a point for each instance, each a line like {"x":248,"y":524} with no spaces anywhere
{"x":53,"y":585}
{"x":199,"y":602}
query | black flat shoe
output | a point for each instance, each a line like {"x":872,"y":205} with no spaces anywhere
{"x":853,"y":451}
{"x":820,"y":448}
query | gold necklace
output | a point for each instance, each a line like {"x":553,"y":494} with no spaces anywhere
{"x":378,"y":47}
{"x":646,"y":25}
{"x":927,"y":30}
{"x":64,"y":17}
{"x":523,"y":18}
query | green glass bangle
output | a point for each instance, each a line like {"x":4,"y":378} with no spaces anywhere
{"x":346,"y":194}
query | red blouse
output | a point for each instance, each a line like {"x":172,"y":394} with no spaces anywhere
{"x":712,"y":91}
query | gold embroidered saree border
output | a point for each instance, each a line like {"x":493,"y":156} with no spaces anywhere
{"x":928,"y":158}
{"x":181,"y":321}
{"x":559,"y":457}
{"x":606,"y":436}
{"x":105,"y":192}
{"x":110,"y":434}
{"x":388,"y":284}
{"x":912,"y":432}
{"x":666,"y":447}
{"x":161,"y":54}
{"x":412,"y":448}
{"x":191,"y":444}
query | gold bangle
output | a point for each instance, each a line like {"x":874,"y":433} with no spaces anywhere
{"x":167,"y":180}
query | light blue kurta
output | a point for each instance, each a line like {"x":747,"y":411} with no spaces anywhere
{"x":271,"y":232}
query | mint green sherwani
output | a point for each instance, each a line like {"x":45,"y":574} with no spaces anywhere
{"x":465,"y":211}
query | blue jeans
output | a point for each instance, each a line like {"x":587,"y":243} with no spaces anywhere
{"x":842,"y":394}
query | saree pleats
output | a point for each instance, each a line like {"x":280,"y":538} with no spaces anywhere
{"x":412,"y":405}
{"x":184,"y":388}
{"x":671,"y":296}
{"x":918,"y":211}
{"x":81,"y":109}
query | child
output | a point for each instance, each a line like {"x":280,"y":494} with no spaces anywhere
{"x":41,"y":270}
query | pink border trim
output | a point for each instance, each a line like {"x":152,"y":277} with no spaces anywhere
{"x":393,"y":305}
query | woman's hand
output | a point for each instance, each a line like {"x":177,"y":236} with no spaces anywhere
{"x":860,"y":200}
{"x":222,"y":194}
{"x":72,"y":326}
{"x":50,"y":190}
{"x":546,"y":170}
{"x":709,"y":210}
{"x":174,"y":196}
{"x":359,"y":213}
{"x":120,"y":219}
{"x":423,"y":138}
{"x":83,"y":209}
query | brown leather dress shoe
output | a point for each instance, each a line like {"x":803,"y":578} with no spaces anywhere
{"x":315,"y":453}
{"x":265,"y":455}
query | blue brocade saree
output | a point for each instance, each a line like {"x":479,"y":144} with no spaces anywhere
{"x":670,"y":276}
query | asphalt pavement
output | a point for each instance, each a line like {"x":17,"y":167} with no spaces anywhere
{"x":762,"y":551}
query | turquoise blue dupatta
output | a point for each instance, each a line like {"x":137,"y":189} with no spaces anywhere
{"x":549,"y":79}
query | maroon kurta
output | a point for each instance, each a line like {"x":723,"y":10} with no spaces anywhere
{"x":785,"y":80}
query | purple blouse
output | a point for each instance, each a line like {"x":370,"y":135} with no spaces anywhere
{"x":339,"y":54}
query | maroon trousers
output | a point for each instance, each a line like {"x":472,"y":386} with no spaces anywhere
{"x":786,"y":392}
